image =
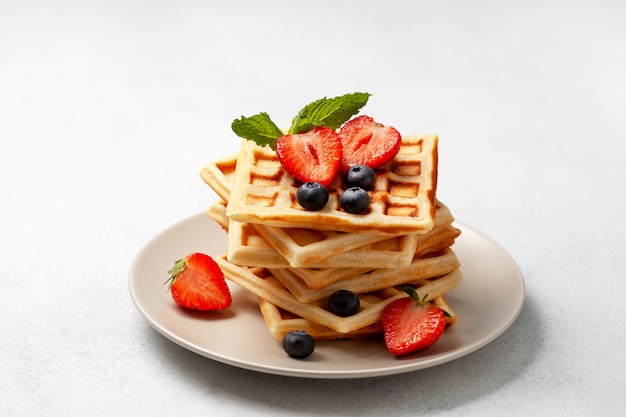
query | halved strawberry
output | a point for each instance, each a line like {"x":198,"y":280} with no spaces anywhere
{"x":411,"y":324}
{"x":368,"y":143}
{"x":197,"y":283}
{"x":311,"y":156}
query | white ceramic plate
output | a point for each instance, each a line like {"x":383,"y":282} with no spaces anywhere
{"x":487,"y":301}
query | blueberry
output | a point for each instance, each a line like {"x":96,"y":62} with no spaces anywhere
{"x":360,"y":176}
{"x":344,"y":303}
{"x":355,"y":200}
{"x":298,"y":344}
{"x":312,"y":196}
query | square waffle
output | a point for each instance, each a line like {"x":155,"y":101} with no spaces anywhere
{"x":219,"y":175}
{"x":315,"y":279}
{"x":389,"y":253}
{"x":419,"y":270}
{"x":300,"y":246}
{"x":280,"y":322}
{"x":294,"y":264}
{"x":306,"y":247}
{"x":262,"y":283}
{"x":248,"y":246}
{"x":402,"y":201}
{"x":217,"y":212}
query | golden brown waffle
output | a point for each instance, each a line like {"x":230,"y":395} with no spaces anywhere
{"x":419,"y":270}
{"x":249,"y":246}
{"x":429,"y":243}
{"x":442,"y":303}
{"x":217,"y":212}
{"x":306,"y":247}
{"x":402,"y":202}
{"x":300,"y":247}
{"x":262,"y":283}
{"x":280,"y":322}
{"x":319,"y":278}
{"x":219,"y":175}
{"x":389,"y":253}
{"x":293,"y":281}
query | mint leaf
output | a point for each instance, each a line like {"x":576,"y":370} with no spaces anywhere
{"x":258,"y":128}
{"x":328,"y":112}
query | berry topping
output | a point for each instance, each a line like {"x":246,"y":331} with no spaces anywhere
{"x":360,"y":176}
{"x":411,"y":324}
{"x":344,"y":303}
{"x":355,"y":200}
{"x":312,"y":196}
{"x":196,"y":282}
{"x":298,"y":344}
{"x":311,"y":156}
{"x":367,"y":142}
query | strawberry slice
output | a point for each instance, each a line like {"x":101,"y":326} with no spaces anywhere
{"x":368,"y":143}
{"x":411,"y":324}
{"x":311,"y":156}
{"x":197,"y":282}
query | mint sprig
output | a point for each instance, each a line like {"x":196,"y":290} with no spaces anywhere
{"x":326,"y":112}
{"x":258,"y":128}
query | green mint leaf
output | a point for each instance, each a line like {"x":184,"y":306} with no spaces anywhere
{"x":328,"y":112}
{"x":258,"y":128}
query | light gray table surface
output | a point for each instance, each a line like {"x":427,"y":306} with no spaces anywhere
{"x":109,"y":109}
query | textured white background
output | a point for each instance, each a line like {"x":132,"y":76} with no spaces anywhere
{"x":109,"y":108}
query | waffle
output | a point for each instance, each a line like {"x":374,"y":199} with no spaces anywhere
{"x":262,"y":283}
{"x":429,"y":244}
{"x":280,"y":322}
{"x":247,"y":246}
{"x":306,"y":247}
{"x":219,"y":175}
{"x":293,"y":259}
{"x":388,"y":253}
{"x":217,"y":212}
{"x":418,"y":271}
{"x":301,"y":247}
{"x":402,"y":201}
{"x":310,"y":275}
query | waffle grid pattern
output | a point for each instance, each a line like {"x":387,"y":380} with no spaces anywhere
{"x":403,"y":199}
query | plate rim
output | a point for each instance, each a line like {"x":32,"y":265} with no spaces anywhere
{"x":409,"y":366}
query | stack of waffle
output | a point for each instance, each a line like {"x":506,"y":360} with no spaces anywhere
{"x":293,"y":259}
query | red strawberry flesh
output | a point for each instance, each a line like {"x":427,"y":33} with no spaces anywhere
{"x":198,"y":283}
{"x":311,"y":156}
{"x":410,"y":326}
{"x":367,"y":142}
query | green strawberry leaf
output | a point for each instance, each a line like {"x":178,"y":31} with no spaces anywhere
{"x":412,"y":293}
{"x":258,"y":128}
{"x":328,"y":112}
{"x":179,"y":266}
